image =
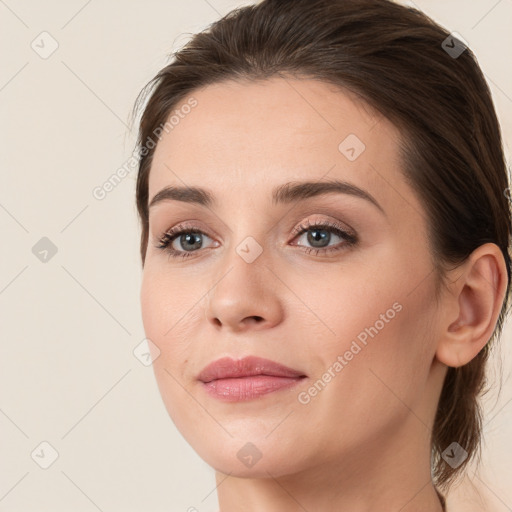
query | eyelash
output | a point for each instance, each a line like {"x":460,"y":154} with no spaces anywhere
{"x":349,"y":239}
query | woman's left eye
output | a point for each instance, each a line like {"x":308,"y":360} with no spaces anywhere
{"x":319,"y":236}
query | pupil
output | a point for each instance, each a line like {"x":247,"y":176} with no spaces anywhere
{"x":187,"y":237}
{"x":318,"y":235}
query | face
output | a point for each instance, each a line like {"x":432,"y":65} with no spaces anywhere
{"x":335,"y":283}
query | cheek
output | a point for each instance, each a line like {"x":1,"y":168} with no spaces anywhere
{"x":170,"y":318}
{"x":383,"y":370}
{"x":350,"y":305}
{"x":172,"y":312}
{"x":398,"y":343}
{"x":381,"y":322}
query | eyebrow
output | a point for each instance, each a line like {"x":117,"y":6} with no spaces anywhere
{"x":283,"y":194}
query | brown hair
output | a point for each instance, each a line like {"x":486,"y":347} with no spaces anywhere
{"x":399,"y":62}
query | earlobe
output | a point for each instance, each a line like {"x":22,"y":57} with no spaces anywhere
{"x":477,"y":298}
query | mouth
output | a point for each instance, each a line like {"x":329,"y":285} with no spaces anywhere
{"x":246,"y":379}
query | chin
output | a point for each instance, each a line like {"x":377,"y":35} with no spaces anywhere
{"x":248,"y":460}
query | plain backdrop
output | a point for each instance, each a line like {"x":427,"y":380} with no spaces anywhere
{"x":73,"y":394}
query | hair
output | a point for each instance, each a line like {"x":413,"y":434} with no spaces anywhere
{"x":394,"y":59}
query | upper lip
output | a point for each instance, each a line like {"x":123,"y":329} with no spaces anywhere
{"x":226,"y":368}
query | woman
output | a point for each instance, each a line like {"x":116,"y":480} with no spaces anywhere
{"x":326,"y":253}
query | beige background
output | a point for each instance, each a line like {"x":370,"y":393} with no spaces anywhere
{"x":69,"y":326}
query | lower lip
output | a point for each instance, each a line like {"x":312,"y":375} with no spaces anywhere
{"x":247,"y":388}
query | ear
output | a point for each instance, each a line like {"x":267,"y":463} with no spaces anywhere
{"x":473,"y":306}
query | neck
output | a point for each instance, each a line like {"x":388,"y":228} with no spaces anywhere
{"x":384,"y":475}
{"x":296,"y":495}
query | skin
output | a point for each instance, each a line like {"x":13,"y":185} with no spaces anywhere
{"x":363,"y":442}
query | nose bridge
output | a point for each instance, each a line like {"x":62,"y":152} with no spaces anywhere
{"x":248,"y":239}
{"x":244,"y":287}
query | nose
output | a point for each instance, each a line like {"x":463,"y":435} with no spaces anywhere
{"x":244,"y":296}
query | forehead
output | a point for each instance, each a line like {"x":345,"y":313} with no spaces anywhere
{"x":252,"y":136}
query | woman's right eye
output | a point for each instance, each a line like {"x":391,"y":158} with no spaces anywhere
{"x":190,"y":240}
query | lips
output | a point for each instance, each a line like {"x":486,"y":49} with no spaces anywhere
{"x":227,"y":368}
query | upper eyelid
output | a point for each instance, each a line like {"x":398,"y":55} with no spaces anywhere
{"x":317,"y":205}
{"x":308,"y":222}
{"x":337,"y":224}
{"x":299,"y":229}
